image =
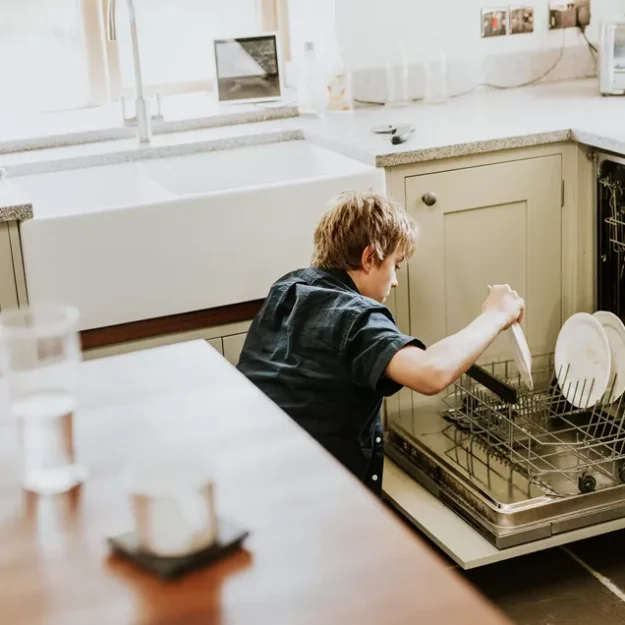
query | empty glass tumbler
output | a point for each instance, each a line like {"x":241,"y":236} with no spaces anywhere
{"x":39,"y":358}
{"x":173,"y":503}
{"x":436,"y":79}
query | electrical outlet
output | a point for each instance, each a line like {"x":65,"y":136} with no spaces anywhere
{"x":521,"y":20}
{"x":494,"y":22}
{"x":569,"y":14}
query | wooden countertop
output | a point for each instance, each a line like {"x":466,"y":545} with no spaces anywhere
{"x":322,"y":549}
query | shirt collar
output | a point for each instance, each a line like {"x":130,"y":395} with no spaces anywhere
{"x":345,"y":278}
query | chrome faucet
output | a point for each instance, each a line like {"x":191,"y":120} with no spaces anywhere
{"x":144,"y":127}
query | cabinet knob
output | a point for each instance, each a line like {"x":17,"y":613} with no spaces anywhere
{"x":429,"y":199}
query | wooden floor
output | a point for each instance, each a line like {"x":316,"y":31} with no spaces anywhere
{"x":581,"y":584}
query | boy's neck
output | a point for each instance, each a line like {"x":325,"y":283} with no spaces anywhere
{"x":356,"y":275}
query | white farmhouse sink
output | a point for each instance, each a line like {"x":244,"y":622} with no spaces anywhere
{"x":165,"y":236}
{"x":248,"y":167}
{"x":92,"y":189}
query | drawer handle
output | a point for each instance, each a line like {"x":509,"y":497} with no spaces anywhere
{"x":429,"y":199}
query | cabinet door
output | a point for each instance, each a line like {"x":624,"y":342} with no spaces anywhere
{"x":233,"y":345}
{"x":8,"y":288}
{"x":216,"y":344}
{"x":494,"y":224}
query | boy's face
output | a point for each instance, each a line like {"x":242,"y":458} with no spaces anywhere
{"x":378,"y":280}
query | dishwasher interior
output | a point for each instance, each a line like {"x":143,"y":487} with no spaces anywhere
{"x":521,"y":465}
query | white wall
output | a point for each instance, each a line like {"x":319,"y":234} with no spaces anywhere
{"x":369,"y":31}
{"x":311,"y":20}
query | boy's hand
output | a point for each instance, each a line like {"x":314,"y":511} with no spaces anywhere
{"x":502,"y":300}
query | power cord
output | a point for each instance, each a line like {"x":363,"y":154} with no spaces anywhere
{"x":590,"y":45}
{"x":538,"y":78}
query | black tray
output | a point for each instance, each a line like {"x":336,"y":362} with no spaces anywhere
{"x":229,"y":540}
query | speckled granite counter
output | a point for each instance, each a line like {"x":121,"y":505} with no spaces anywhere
{"x":482,"y":122}
{"x":12,"y":206}
{"x":472,"y":124}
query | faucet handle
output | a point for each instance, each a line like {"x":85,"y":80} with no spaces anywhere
{"x":132,"y":120}
{"x":159,"y":107}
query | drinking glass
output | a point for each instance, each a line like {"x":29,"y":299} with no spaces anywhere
{"x":396,"y":72}
{"x":39,"y":358}
{"x":172,"y":500}
{"x":436,"y":79}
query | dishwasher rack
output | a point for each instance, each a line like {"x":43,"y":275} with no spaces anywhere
{"x":614,"y":188}
{"x":542,"y":436}
{"x":611,"y":235}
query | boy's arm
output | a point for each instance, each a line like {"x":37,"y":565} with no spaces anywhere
{"x":432,"y":370}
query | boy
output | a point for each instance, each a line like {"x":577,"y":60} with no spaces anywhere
{"x":326,"y":349}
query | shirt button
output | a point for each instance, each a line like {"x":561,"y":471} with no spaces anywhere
{"x":374,"y":478}
{"x":378,"y":440}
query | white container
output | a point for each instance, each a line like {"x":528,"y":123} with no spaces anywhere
{"x":311,"y":98}
{"x":612,"y":54}
{"x":338,"y":84}
{"x":173,"y":504}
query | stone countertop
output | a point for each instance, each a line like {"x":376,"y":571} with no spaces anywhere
{"x":479,"y":122}
{"x":12,"y":206}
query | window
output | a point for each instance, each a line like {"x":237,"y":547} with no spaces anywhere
{"x":42,"y":47}
{"x":175,"y":39}
{"x":57,"y":56}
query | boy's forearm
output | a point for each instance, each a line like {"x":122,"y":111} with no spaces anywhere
{"x":455,"y":354}
{"x":431,"y":371}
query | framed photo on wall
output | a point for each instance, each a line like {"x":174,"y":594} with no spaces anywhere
{"x":248,"y":68}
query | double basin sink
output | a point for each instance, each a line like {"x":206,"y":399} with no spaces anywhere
{"x":162,"y":236}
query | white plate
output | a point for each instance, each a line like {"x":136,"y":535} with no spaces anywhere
{"x":583,"y":360}
{"x":615,"y":331}
{"x":522,"y":354}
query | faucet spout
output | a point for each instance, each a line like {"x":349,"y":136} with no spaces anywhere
{"x":144,"y":127}
{"x":111,"y":22}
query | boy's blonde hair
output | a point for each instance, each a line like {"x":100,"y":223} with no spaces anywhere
{"x":356,"y":220}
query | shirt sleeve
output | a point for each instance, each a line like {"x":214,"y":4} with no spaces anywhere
{"x":370,"y":342}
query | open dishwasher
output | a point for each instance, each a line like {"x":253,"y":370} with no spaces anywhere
{"x":524,"y":465}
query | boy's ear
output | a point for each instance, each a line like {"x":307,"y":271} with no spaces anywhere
{"x":368,"y":259}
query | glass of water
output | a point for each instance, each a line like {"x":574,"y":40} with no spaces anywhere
{"x":39,"y":358}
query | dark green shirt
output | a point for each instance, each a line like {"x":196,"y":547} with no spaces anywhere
{"x":319,"y":350}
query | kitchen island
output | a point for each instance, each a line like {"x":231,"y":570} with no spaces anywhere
{"x":321,"y":548}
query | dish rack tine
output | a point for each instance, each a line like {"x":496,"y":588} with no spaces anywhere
{"x":542,"y":434}
{"x":559,"y":383}
{"x":595,"y":423}
{"x":620,"y":409}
